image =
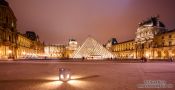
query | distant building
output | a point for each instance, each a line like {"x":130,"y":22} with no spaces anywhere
{"x":152,"y":41}
{"x":71,"y":47}
{"x":29,"y":48}
{"x":110,"y":43}
{"x":61,"y":51}
{"x":124,"y":49}
{"x":24,"y":47}
{"x":54,"y":51}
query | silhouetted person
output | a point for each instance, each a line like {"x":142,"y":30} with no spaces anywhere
{"x":143,"y":59}
{"x":45,"y":57}
{"x":171,"y":59}
{"x":83,"y":58}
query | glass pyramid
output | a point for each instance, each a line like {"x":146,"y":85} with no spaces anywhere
{"x":91,"y":49}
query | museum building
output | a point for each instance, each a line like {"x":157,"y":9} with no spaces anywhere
{"x":153,"y":41}
{"x":13,"y":44}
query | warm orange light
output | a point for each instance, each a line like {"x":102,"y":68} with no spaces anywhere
{"x":78,"y":83}
{"x":75,"y":82}
{"x":23,"y":53}
{"x":53,"y":83}
{"x":10,"y":51}
{"x":147,"y":54}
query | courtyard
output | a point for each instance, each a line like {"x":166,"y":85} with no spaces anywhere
{"x":87,"y":75}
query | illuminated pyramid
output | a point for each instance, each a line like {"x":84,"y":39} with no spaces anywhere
{"x":91,"y":49}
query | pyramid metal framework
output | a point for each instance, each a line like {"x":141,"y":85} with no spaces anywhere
{"x":91,"y":49}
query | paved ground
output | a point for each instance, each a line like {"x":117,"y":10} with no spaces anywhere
{"x":87,"y":76}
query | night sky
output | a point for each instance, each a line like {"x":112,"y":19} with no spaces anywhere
{"x":56,"y":21}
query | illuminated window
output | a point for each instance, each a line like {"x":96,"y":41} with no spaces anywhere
{"x":12,"y":24}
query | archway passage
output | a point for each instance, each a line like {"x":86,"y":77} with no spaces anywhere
{"x":159,"y":55}
{"x":173,"y":53}
{"x":166,"y":54}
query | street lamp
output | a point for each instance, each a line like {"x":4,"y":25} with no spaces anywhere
{"x":64,"y":74}
{"x":147,"y":54}
{"x":10,"y":51}
{"x":10,"y":54}
{"x":23,"y":55}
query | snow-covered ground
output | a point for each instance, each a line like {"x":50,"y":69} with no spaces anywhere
{"x":86,"y":75}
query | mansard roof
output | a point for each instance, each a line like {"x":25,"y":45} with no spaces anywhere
{"x":170,"y":31}
{"x":4,"y":3}
{"x":126,"y":41}
{"x":153,"y":21}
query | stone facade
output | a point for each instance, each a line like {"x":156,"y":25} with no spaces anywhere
{"x":27,"y":48}
{"x":61,"y":51}
{"x":8,"y":32}
{"x":124,"y":49}
{"x":54,"y":51}
{"x":71,"y":47}
{"x":14,"y":45}
{"x":152,"y":41}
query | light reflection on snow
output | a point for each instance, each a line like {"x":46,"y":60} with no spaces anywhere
{"x":53,"y":78}
{"x":77,"y":82}
{"x":54,"y":82}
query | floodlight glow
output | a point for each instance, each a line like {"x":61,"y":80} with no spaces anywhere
{"x":10,"y":51}
{"x":64,"y":74}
